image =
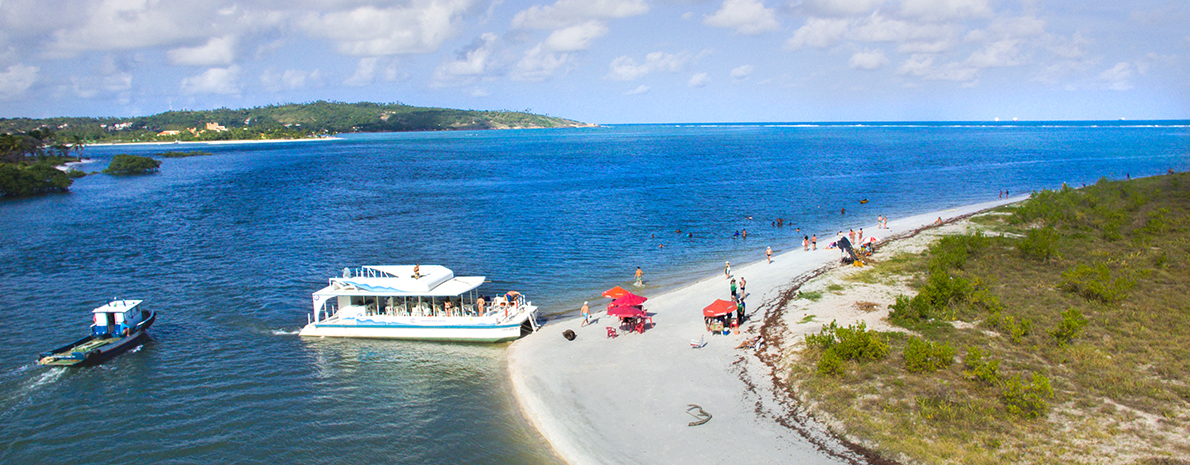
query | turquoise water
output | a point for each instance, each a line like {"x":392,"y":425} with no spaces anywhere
{"x":228,"y":248}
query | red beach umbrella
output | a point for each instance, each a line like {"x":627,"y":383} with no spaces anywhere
{"x":629,"y":300}
{"x":615,"y":292}
{"x":626,"y":312}
{"x":719,"y":307}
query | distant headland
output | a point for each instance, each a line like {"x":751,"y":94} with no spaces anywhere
{"x":288,"y":121}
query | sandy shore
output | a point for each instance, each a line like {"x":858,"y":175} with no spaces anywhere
{"x":625,"y":400}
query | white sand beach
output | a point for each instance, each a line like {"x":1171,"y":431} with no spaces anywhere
{"x":625,"y":400}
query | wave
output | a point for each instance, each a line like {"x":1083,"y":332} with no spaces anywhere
{"x":282,"y":332}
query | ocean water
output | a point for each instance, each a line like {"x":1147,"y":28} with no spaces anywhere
{"x":229,"y":247}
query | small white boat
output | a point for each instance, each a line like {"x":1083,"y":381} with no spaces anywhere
{"x":417,"y":302}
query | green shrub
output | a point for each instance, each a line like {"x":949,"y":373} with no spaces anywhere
{"x":830,"y":364}
{"x":922,"y":355}
{"x":909,"y":309}
{"x":1027,"y":399}
{"x":1070,"y":327}
{"x":855,"y":343}
{"x":1040,"y":244}
{"x":951,"y":252}
{"x":813,"y":296}
{"x":1010,"y":325}
{"x":131,"y":164}
{"x":979,"y":368}
{"x":75,"y":174}
{"x":1096,"y":283}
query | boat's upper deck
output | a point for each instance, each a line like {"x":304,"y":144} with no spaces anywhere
{"x":401,"y":280}
{"x":117,"y":306}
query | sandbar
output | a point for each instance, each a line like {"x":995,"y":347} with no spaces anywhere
{"x":624,"y":400}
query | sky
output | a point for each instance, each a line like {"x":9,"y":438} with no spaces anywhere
{"x":607,"y":61}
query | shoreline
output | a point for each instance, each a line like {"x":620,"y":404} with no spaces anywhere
{"x":600,"y":400}
{"x":211,"y":142}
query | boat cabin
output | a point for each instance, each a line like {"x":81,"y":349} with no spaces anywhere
{"x":117,"y":318}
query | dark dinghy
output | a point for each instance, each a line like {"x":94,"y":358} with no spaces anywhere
{"x":119,"y":325}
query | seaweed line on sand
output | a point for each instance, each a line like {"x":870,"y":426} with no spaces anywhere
{"x":791,"y":414}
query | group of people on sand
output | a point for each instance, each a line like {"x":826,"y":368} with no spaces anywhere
{"x":721,"y":323}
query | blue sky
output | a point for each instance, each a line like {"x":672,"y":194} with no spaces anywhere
{"x":606,"y":61}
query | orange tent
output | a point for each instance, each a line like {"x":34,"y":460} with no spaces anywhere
{"x":719,"y":307}
{"x":615,"y":292}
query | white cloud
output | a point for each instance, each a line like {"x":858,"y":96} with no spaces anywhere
{"x":945,"y":9}
{"x":625,"y":68}
{"x":641,"y":89}
{"x":923,"y":66}
{"x":538,"y":64}
{"x":576,"y":37}
{"x":365,"y":72}
{"x":841,"y":7}
{"x":699,"y":80}
{"x":868,"y":59}
{"x":290,"y":79}
{"x":15,"y":80}
{"x":742,"y":72}
{"x":217,"y":51}
{"x":938,"y":46}
{"x":213,"y":81}
{"x":818,"y":32}
{"x":747,"y":17}
{"x":471,"y":63}
{"x":1002,"y":53}
{"x":566,"y":13}
{"x":421,"y":26}
{"x":479,"y":92}
{"x":1117,"y":76}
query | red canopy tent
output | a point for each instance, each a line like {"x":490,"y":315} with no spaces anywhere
{"x":628,"y":300}
{"x":615,"y":292}
{"x":626,"y":312}
{"x":719,"y":307}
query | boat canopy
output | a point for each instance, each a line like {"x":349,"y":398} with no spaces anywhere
{"x":399,"y":280}
{"x":117,"y":306}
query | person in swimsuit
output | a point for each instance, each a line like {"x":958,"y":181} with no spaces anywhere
{"x":586,"y":312}
{"x":805,"y":242}
{"x":814,"y":242}
{"x":640,"y":276}
{"x":768,"y":253}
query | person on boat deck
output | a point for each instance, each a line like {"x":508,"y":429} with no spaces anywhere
{"x":447,"y":308}
{"x":417,"y":271}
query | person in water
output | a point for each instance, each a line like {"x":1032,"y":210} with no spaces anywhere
{"x":640,"y":276}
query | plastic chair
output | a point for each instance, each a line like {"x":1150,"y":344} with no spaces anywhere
{"x":698,"y":343}
{"x":640,"y":326}
{"x":611,"y":333}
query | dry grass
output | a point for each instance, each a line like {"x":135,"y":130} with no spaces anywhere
{"x":1121,"y":388}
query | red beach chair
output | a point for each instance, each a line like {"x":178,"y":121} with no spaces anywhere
{"x":611,"y":333}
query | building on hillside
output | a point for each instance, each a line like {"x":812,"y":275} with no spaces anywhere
{"x":215,"y":127}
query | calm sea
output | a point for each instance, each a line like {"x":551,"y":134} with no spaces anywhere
{"x":229,"y":247}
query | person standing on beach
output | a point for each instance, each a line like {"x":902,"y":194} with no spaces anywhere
{"x":733,"y":291}
{"x":727,"y":269}
{"x":586,"y":313}
{"x":814,"y":242}
{"x":805,"y":243}
{"x":639,"y":277}
{"x":768,"y":253}
{"x":860,"y":235}
{"x":851,"y":235}
{"x":743,"y":286}
{"x":739,"y":311}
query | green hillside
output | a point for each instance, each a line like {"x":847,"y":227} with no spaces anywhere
{"x":289,"y":121}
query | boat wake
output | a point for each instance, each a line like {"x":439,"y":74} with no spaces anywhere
{"x":282,"y":332}
{"x":135,"y":349}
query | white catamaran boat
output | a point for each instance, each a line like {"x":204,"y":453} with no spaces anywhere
{"x":417,"y":302}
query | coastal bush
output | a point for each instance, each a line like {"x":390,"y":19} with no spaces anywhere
{"x":830,"y":364}
{"x":1027,"y":399}
{"x":131,"y":164}
{"x":951,"y":252}
{"x":1040,"y":244}
{"x":922,"y":355}
{"x":1070,"y":327}
{"x":979,"y":367}
{"x":1096,"y":283}
{"x":16,"y":180}
{"x":852,"y":343}
{"x":75,"y":174}
{"x":1155,"y":227}
{"x":1016,"y":329}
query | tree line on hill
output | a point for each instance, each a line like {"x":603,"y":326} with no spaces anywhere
{"x":288,"y":121}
